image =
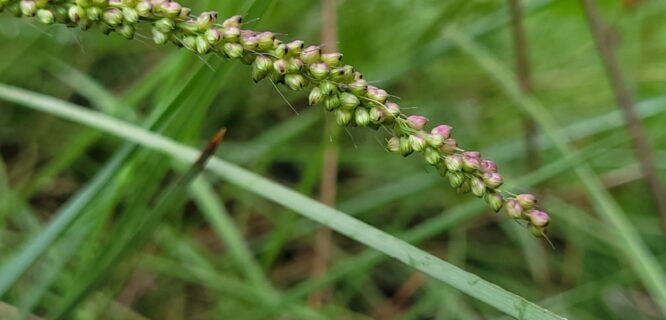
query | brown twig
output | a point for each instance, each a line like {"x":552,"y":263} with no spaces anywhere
{"x":525,"y":83}
{"x":328,"y":186}
{"x":210,"y":149}
{"x":624,"y":99}
{"x":524,"y":75}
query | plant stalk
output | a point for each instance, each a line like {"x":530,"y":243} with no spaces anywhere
{"x":625,"y":101}
{"x":329,"y":175}
{"x":524,"y":77}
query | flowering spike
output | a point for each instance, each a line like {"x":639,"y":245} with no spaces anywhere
{"x":478,"y":187}
{"x":112,"y":16}
{"x":472,"y":155}
{"x":184,"y":13}
{"x":341,"y":88}
{"x":434,"y":140}
{"x":361,"y":117}
{"x":417,"y":142}
{"x":454,"y":162}
{"x":234,"y":21}
{"x":231,"y":34}
{"x":358,"y":87}
{"x":315,"y":96}
{"x":203,"y":46}
{"x":331,"y":102}
{"x":190,"y":43}
{"x":513,"y":209}
{"x":28,"y":8}
{"x":249,"y":42}
{"x":493,"y":180}
{"x":343,"y":74}
{"x":455,"y":178}
{"x":331,"y":59}
{"x":377,"y":94}
{"x":61,"y":15}
{"x":77,"y":13}
{"x":465,"y":187}
{"x":343,"y":117}
{"x":45,"y":16}
{"x":393,"y":144}
{"x":164,"y":25}
{"x":266,"y":41}
{"x":94,"y":13}
{"x":144,"y":8}
{"x":115,"y":3}
{"x":233,"y":50}
{"x":280,"y":66}
{"x":263,"y":63}
{"x":294,"y":65}
{"x":295,"y":81}
{"x":206,"y":20}
{"x":526,"y":200}
{"x":127,"y":31}
{"x":450,"y":146}
{"x":310,"y":54}
{"x":159,"y":37}
{"x":213,"y":36}
{"x":171,"y":9}
{"x":432,"y":157}
{"x":417,"y":122}
{"x":376,"y":115}
{"x":130,"y":15}
{"x":392,"y":108}
{"x":488,"y":166}
{"x":260,"y":67}
{"x":328,"y":87}
{"x":494,"y":200}
{"x":442,"y":130}
{"x":405,"y":147}
{"x":349,"y":101}
{"x":470,"y":163}
{"x":538,"y":218}
{"x":319,"y":70}
{"x":295,"y":47}
{"x":280,"y":51}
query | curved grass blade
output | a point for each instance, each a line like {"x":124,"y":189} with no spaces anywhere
{"x":169,"y":198}
{"x":493,"y":295}
{"x":636,"y":253}
{"x":12,"y":270}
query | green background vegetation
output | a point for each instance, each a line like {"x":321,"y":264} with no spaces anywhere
{"x":148,"y":242}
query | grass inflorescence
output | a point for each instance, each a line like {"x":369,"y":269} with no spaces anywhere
{"x":340,"y":88}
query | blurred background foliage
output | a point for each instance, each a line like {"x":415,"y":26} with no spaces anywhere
{"x":188,"y":268}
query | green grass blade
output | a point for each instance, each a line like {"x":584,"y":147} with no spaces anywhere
{"x":432,"y":227}
{"x":219,"y":219}
{"x":169,"y":198}
{"x":636,"y":253}
{"x":16,"y":267}
{"x":471,"y":284}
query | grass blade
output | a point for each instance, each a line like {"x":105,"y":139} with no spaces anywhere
{"x":635,"y":251}
{"x":468,"y":283}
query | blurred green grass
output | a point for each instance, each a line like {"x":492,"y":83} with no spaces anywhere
{"x":192,"y":269}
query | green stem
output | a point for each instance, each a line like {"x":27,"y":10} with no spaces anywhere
{"x":637,"y":254}
{"x":471,"y":284}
